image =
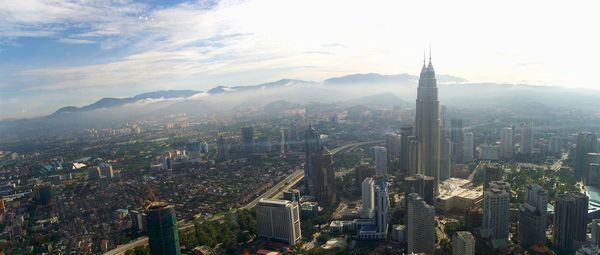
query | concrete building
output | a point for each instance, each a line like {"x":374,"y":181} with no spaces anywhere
{"x":368,"y":196}
{"x":376,"y":228}
{"x":406,"y":133}
{"x":393,"y":144}
{"x":163,"y":236}
{"x":422,"y":185}
{"x":526,"y":141}
{"x":222,"y":149}
{"x":292,"y":195}
{"x":94,"y":173}
{"x":496,"y":201}
{"x":457,"y":195}
{"x":248,"y":140}
{"x":586,"y":142}
{"x":420,"y":225}
{"x":381,"y":161}
{"x":468,"y":146}
{"x":507,"y":142}
{"x":413,"y":156}
{"x":595,"y":226}
{"x":445,"y":155}
{"x":457,"y":137}
{"x":463,"y":243}
{"x":533,"y":216}
{"x":278,"y":220}
{"x":106,"y":170}
{"x":138,"y":221}
{"x":427,"y":122}
{"x":318,"y":169}
{"x":570,"y":220}
{"x":491,"y":172}
{"x":588,"y":249}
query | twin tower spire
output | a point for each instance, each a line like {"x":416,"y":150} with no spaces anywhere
{"x":429,"y":67}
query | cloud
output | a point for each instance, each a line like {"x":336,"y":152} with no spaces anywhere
{"x":75,"y":41}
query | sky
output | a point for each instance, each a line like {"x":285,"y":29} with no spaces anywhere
{"x":59,"y":53}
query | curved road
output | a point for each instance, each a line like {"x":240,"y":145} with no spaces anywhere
{"x":273,"y":192}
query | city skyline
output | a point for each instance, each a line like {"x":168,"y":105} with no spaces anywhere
{"x":76,"y":52}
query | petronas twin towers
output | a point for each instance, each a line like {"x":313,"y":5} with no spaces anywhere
{"x":427,"y":122}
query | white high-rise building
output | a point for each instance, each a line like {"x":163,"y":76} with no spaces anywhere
{"x":496,"y":200}
{"x":368,"y":195}
{"x":392,"y":144}
{"x":463,"y":243}
{"x":380,"y":160}
{"x":507,"y":142}
{"x":278,"y":220}
{"x":468,"y":142}
{"x":421,"y":225}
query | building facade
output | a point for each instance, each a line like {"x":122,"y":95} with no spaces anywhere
{"x":163,"y":237}
{"x":278,"y":220}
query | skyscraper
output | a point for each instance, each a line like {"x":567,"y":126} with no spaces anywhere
{"x":413,"y":156}
{"x":368,"y":195}
{"x":222,"y":149}
{"x":526,"y":141}
{"x":380,"y":160}
{"x":532,"y":217}
{"x":596,"y":231}
{"x":106,"y":170}
{"x":405,"y":133}
{"x":421,"y":225}
{"x":445,"y":150}
{"x":421,"y":185}
{"x":163,"y":236}
{"x":586,"y":142}
{"x":463,"y":243}
{"x":457,"y":137}
{"x":318,"y":169}
{"x":468,"y":142}
{"x":381,"y":210}
{"x":392,"y":145}
{"x":428,"y":124}
{"x":570,"y":220}
{"x":507,"y":142}
{"x":491,"y":172}
{"x":248,"y":140}
{"x":278,"y":220}
{"x":496,"y":200}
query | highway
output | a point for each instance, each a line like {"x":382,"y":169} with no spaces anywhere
{"x":273,"y":192}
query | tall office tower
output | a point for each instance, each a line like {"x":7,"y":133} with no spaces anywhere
{"x":496,"y":202}
{"x":94,"y":173}
{"x":167,"y":165}
{"x":405,"y":133}
{"x":445,"y":151}
{"x":318,"y":169}
{"x":532,"y":217}
{"x":421,"y":185}
{"x":463,"y":243}
{"x":392,"y":144}
{"x":282,"y":143}
{"x":138,"y":220}
{"x":457,"y":137}
{"x":427,"y":123}
{"x":413,"y":156}
{"x":381,"y":210}
{"x":248,"y":140}
{"x":421,"y":225}
{"x":205,"y":148}
{"x":368,"y":195}
{"x":556,"y":144}
{"x":43,"y":194}
{"x":468,"y":148}
{"x":222,"y":149}
{"x":106,"y":170}
{"x":491,"y":172}
{"x":163,"y":236}
{"x":596,"y":231}
{"x":380,"y":160}
{"x":507,"y":142}
{"x":586,"y":142}
{"x":362,"y":171}
{"x":570,"y":220}
{"x":278,"y":220}
{"x":526,"y":141}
